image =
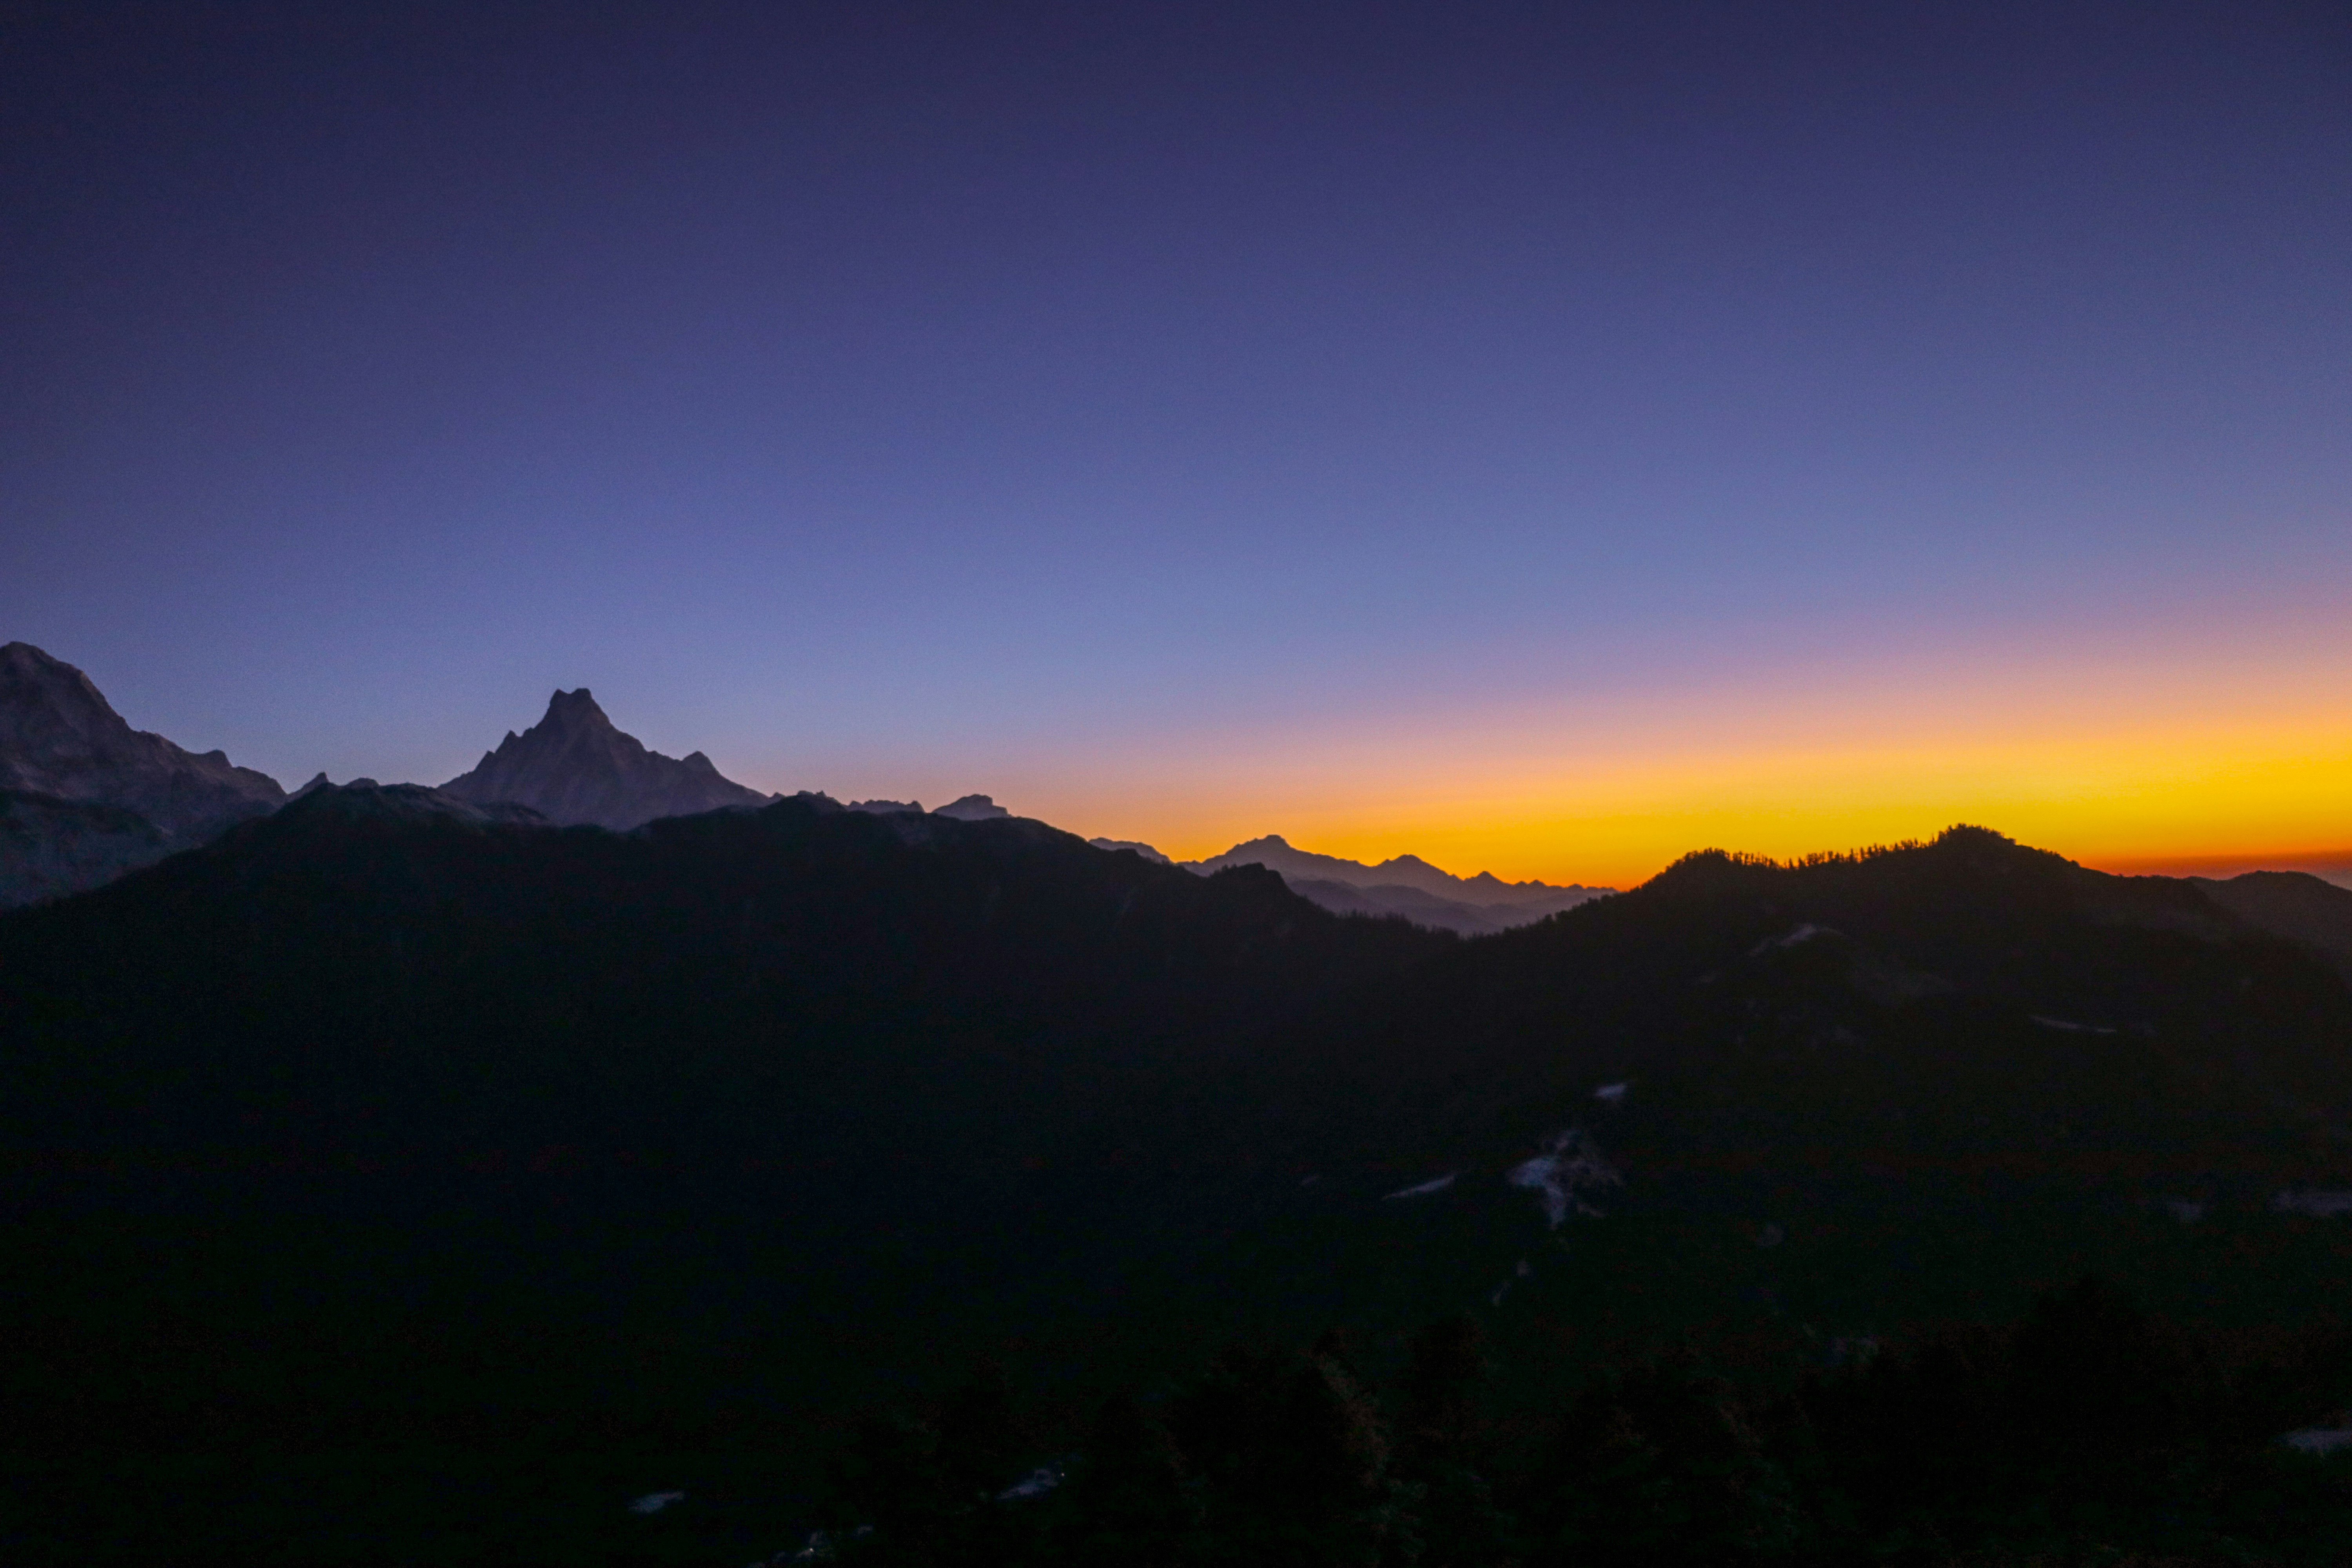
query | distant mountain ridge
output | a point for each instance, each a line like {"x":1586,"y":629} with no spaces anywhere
{"x":1406,"y":886}
{"x":1115,"y":845}
{"x":85,"y":798}
{"x":2293,"y":904}
{"x":1277,"y":854}
{"x":575,"y":767}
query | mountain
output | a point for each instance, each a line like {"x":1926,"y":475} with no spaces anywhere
{"x":2294,"y":904}
{"x":973,"y":808}
{"x":1933,"y":990}
{"x":51,"y":847}
{"x":1386,"y":899}
{"x":84,"y":797}
{"x":59,"y":737}
{"x":364,"y":802}
{"x":1146,"y":850}
{"x":495,"y":1134}
{"x":575,"y":767}
{"x":1407,"y":886}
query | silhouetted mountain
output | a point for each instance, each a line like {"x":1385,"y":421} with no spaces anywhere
{"x":1965,"y":994}
{"x":1470,"y":905}
{"x":90,"y":797}
{"x":575,"y":767}
{"x":1414,"y":905}
{"x":973,"y":809}
{"x":1146,"y":850}
{"x":805,"y":1049}
{"x":2293,"y":904}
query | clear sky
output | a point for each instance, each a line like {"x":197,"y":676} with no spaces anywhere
{"x":1546,"y":439}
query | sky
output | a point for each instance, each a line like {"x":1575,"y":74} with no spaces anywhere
{"x":1544,"y":439}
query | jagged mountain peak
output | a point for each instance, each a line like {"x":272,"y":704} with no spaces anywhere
{"x":27,"y":668}
{"x":576,"y":766}
{"x":576,"y":707}
{"x":47,"y":705}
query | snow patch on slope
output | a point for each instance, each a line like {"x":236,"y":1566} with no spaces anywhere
{"x":1570,"y":1166}
{"x":1426,"y":1188}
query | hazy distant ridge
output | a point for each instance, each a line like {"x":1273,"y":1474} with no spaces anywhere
{"x":1405,"y":885}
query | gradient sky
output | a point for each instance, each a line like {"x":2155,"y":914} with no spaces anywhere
{"x":1546,"y":439}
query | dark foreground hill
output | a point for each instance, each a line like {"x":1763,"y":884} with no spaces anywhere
{"x":387,"y":1125}
{"x":390,"y":977}
{"x":392,"y":1179}
{"x":1970,"y":999}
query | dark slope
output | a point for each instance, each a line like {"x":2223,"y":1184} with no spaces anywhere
{"x":2309,"y":909}
{"x":1839,"y":1095}
{"x":396,"y":968}
{"x":51,"y":847}
{"x":383,"y":1123}
{"x":384,"y":1126}
{"x":1940,"y":993}
{"x":575,"y":767}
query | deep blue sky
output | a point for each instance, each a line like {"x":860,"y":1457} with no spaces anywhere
{"x":1135,"y":409}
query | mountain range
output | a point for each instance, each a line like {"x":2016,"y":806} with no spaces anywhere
{"x":389,"y":1153}
{"x":84,"y":798}
{"x":1406,"y":886}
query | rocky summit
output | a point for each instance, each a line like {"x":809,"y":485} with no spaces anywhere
{"x":60,"y":738}
{"x":575,"y":767}
{"x":84,"y":797}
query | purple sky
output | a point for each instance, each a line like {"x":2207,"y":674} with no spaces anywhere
{"x":905,"y":400}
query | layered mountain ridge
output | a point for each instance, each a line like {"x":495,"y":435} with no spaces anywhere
{"x":1277,"y":854}
{"x":84,"y":799}
{"x":1405,"y":886}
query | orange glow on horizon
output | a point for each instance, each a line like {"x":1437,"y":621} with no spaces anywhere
{"x":2217,"y":799}
{"x":2185,"y":756}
